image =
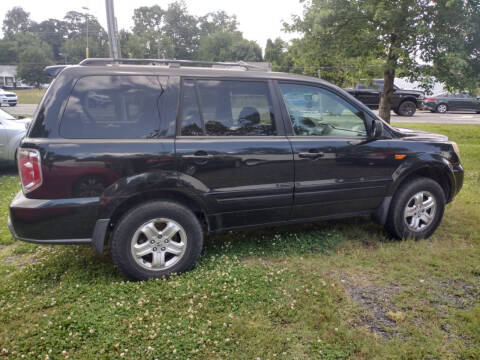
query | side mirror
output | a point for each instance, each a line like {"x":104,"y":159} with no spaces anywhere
{"x":20,"y":117}
{"x":377,"y":129}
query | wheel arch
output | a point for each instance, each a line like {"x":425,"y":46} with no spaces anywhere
{"x":438,"y":172}
{"x":114,"y":214}
{"x":176,"y":196}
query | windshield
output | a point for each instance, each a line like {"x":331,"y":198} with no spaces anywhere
{"x":6,"y":116}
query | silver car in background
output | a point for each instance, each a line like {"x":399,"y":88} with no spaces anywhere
{"x":12,"y":130}
{"x":8,"y":98}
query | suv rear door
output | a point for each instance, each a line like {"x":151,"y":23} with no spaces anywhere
{"x":336,"y":170}
{"x":232,"y":152}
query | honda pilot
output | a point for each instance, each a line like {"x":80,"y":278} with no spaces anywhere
{"x":148,"y":156}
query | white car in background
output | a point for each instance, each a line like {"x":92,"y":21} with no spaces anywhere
{"x":8,"y":98}
{"x":12,"y":131}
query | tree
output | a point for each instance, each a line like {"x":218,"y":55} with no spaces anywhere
{"x":180,"y":31}
{"x":8,"y":52}
{"x":54,"y":32}
{"x":276,"y":54}
{"x":16,"y":20}
{"x":455,"y":50}
{"x":166,"y":33}
{"x":74,"y":46}
{"x":33,"y":60}
{"x":397,"y":32}
{"x":217,"y":21}
{"x":228,"y":46}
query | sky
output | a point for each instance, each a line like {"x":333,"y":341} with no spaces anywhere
{"x":258,"y":19}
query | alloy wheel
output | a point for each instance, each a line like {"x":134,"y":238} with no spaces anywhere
{"x":158,"y":244}
{"x":442,"y":108}
{"x":420,"y":211}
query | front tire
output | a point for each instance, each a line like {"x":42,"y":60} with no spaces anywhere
{"x":156,"y":239}
{"x":416,"y":210}
{"x":13,"y":104}
{"x":407,"y":108}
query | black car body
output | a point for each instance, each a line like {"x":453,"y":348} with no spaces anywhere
{"x":235,"y":148}
{"x":452,"y":102}
{"x":404,"y":102}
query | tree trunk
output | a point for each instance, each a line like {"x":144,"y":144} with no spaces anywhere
{"x":386,"y":98}
{"x":388,"y":76}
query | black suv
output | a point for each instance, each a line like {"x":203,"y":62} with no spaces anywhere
{"x":149,"y":157}
{"x":404,"y":102}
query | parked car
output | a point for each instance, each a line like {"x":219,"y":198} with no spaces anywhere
{"x":450,"y":102}
{"x":8,"y":98}
{"x":12,"y":130}
{"x":173,"y":152}
{"x":404,"y":102}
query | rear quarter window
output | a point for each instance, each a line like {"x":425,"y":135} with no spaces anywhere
{"x":114,"y":107}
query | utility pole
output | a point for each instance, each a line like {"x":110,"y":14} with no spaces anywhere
{"x":112,"y":30}
{"x":86,"y":19}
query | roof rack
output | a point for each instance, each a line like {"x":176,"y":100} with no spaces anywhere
{"x":172,"y":63}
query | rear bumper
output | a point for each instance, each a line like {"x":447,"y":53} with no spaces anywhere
{"x":57,"y":221}
{"x":47,"y":241}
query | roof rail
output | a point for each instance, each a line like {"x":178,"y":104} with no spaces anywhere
{"x":169,"y":62}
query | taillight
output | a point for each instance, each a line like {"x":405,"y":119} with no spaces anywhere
{"x":431,"y":99}
{"x":30,"y":169}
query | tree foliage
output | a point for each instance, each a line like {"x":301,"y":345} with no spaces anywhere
{"x":16,"y":21}
{"x":277,"y":53}
{"x":401,"y":34}
{"x":228,"y":46}
{"x":170,"y":32}
{"x":33,"y":59}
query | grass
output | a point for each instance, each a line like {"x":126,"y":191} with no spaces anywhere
{"x":30,"y":96}
{"x":331,"y":290}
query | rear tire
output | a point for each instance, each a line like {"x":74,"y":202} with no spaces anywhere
{"x":441,"y":108}
{"x":416,"y":210}
{"x":407,"y":108}
{"x":156,"y":239}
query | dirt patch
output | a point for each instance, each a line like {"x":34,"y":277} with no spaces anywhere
{"x":456,"y":293}
{"x":377,"y":300}
{"x":20,"y":260}
{"x":382,"y":315}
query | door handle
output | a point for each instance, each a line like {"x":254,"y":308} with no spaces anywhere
{"x":311,"y":154}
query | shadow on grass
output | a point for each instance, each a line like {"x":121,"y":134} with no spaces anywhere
{"x":82,"y":265}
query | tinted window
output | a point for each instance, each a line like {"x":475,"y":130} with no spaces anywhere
{"x":191,"y":120}
{"x":319,"y":112}
{"x":226,"y":108}
{"x":113,"y":107}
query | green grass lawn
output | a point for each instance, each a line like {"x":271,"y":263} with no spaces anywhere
{"x":30,"y":96}
{"x":329,"y":290}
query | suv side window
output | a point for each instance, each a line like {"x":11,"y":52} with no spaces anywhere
{"x":318,"y":112}
{"x":113,"y":107}
{"x":226,"y":108}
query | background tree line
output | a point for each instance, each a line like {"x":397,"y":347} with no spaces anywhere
{"x":156,"y":33}
{"x":340,"y":40}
